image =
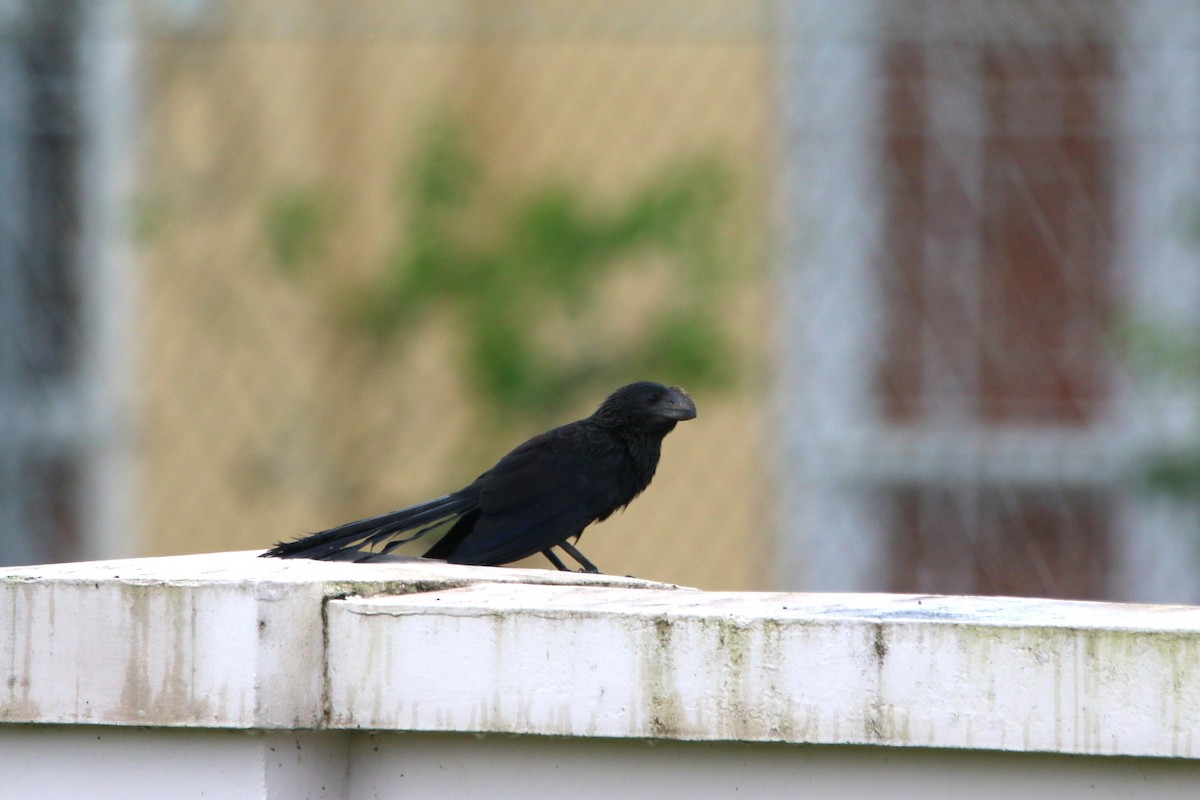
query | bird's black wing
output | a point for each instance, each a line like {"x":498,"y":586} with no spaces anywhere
{"x":541,"y":494}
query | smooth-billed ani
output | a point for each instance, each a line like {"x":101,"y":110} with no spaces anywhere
{"x":537,"y":497}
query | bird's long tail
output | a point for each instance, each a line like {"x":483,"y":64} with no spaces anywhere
{"x":378,"y":535}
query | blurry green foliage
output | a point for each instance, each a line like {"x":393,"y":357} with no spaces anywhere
{"x":149,"y":216}
{"x":1176,"y":474}
{"x":298,"y":222}
{"x":1161,"y":351}
{"x":1168,"y":354}
{"x":522,"y":275}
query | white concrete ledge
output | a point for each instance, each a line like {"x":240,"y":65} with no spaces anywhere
{"x":947,"y":672}
{"x":232,"y":641}
{"x":224,"y":640}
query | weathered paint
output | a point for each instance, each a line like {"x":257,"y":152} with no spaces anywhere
{"x":219,"y":640}
{"x":233,"y":641}
{"x":959,"y":672}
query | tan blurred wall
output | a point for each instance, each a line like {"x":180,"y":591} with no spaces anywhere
{"x":261,"y":422}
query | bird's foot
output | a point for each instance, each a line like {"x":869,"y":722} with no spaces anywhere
{"x":574,"y":553}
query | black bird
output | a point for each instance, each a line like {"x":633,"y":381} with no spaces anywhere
{"x":536,"y":498}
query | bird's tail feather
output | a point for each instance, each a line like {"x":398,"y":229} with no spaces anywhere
{"x":345,"y":541}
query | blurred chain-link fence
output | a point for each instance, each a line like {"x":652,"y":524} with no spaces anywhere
{"x":927,"y":266}
{"x":992,"y":205}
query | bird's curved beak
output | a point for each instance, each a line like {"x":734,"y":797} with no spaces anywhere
{"x":678,"y":405}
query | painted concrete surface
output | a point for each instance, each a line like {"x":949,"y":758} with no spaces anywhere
{"x":123,"y":763}
{"x":232,"y":676}
{"x":70,"y":762}
{"x":218,"y":640}
{"x":943,"y":672}
{"x":439,"y":766}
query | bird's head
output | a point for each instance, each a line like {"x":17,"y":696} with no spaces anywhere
{"x":648,"y":406}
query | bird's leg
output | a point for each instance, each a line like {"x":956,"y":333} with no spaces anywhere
{"x":574,"y":553}
{"x":555,"y":560}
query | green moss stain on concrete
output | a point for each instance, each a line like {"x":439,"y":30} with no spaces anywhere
{"x":665,"y":716}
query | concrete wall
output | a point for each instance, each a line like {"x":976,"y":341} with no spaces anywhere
{"x":235,"y":677}
{"x":122,"y":763}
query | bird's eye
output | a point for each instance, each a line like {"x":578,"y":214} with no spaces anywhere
{"x":651,"y":399}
